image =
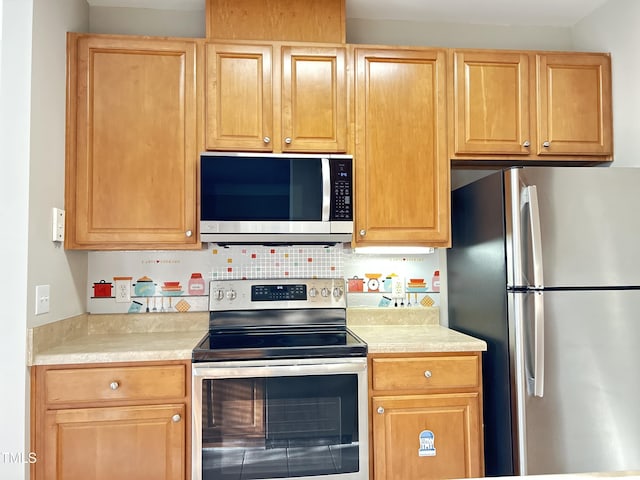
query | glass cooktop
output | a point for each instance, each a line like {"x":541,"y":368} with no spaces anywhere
{"x":280,"y":343}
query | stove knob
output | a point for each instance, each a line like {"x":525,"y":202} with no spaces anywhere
{"x":337,"y":292}
{"x":219,"y":295}
{"x":231,"y":294}
{"x":313,"y":292}
{"x":324,"y":292}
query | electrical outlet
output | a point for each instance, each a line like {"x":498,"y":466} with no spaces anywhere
{"x":397,"y":287}
{"x":58,"y":225}
{"x":123,"y":289}
{"x":42,"y":299}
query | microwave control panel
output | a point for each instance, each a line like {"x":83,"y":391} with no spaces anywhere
{"x":342,"y":189}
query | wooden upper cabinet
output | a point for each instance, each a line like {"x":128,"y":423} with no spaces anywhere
{"x":574,"y":104}
{"x":402,"y":170}
{"x":239,"y":105}
{"x":132,"y":143}
{"x":314,"y":99}
{"x":491,"y":102}
{"x":276,"y":97}
{"x":287,"y":20}
{"x":530,"y":106}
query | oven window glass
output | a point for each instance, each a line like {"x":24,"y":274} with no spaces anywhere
{"x":279,"y":427}
{"x":261,"y":189}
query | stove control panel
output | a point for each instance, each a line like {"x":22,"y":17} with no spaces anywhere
{"x":276,"y":294}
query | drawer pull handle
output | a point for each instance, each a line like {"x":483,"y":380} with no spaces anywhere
{"x":114,"y":385}
{"x":176,"y":418}
{"x":380,"y":410}
{"x":427,"y":373}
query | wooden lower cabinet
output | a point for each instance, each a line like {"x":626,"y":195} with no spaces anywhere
{"x":424,"y":423}
{"x":103,"y":428}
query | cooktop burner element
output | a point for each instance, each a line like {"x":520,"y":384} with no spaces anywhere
{"x":266,"y":319}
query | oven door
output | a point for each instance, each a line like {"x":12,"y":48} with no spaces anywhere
{"x":275,"y":419}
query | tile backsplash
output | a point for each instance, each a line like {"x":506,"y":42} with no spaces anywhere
{"x":161,"y":281}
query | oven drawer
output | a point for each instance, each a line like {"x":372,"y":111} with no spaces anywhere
{"x":83,"y":385}
{"x":425,"y":373}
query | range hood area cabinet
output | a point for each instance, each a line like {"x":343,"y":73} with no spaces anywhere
{"x":132,"y":143}
{"x":530,"y":106}
{"x":275,"y":97}
{"x":402,"y":186}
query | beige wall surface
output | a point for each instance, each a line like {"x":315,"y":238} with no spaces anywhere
{"x":423,"y":33}
{"x":49,"y":264}
{"x":146,"y":21}
{"x":615,"y":28}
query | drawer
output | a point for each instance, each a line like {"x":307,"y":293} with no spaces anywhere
{"x":115,"y":383}
{"x":425,"y":373}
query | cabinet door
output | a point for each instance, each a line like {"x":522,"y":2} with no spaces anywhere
{"x":402,"y":168}
{"x":314,"y":99}
{"x":239,"y":97}
{"x":132,"y":143}
{"x":142,"y":442}
{"x":430,"y":436}
{"x":574,"y":104}
{"x":491,"y":102}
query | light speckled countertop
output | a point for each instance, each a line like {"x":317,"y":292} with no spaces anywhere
{"x":150,"y":336}
{"x":117,"y":338}
{"x":408,"y":330}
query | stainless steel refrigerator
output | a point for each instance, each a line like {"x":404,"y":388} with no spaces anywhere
{"x":545,"y":266}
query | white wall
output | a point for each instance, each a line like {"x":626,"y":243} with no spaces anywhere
{"x":146,"y":21}
{"x":15,"y":72}
{"x":393,"y":32}
{"x":615,"y":28}
{"x":49,"y":263}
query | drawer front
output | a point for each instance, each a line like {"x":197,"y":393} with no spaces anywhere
{"x":118,"y":383}
{"x":425,"y":373}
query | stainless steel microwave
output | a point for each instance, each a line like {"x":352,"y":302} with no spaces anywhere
{"x":275,"y":198}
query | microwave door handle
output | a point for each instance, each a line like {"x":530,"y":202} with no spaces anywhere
{"x":326,"y":189}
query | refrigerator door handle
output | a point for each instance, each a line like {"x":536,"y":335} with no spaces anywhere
{"x":538,"y":341}
{"x":530,"y":198}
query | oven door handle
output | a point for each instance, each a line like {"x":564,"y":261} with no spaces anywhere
{"x":266,"y":369}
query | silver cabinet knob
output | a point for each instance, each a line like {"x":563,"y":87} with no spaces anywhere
{"x":176,"y":418}
{"x":287,"y":140}
{"x":114,"y":385}
{"x":546,"y":144}
{"x":266,"y":139}
{"x":363,"y":232}
{"x":380,"y":410}
{"x":526,"y":144}
{"x":188,"y":233}
{"x":427,"y":373}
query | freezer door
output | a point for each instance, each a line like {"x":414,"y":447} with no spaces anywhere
{"x":589,"y":226}
{"x":588,"y":418}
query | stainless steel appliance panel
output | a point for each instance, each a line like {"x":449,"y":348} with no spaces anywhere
{"x":588,"y":419}
{"x":589,"y":225}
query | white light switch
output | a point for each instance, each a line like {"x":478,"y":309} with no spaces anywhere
{"x":42,"y":299}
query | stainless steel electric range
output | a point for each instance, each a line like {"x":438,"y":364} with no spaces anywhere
{"x":279,"y":384}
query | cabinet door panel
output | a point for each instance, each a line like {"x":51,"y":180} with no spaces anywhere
{"x":314,"y":99}
{"x":131,"y":167}
{"x":574,"y":104}
{"x":402,"y":169}
{"x":239,"y":97}
{"x":454,"y":450}
{"x":491,"y":99}
{"x":143,"y":442}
